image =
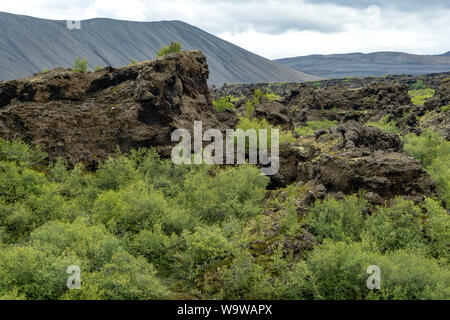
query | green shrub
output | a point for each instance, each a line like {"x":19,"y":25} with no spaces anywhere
{"x":91,"y":244}
{"x":419,"y":84}
{"x":223,"y":104}
{"x":98,"y":68}
{"x":233,"y":192}
{"x":246,"y":123}
{"x":257,"y":94}
{"x":338,"y":220}
{"x":418,"y":97}
{"x":34,"y":273}
{"x":250,"y":109}
{"x":272,"y":96}
{"x":205,"y":247}
{"x":115,"y":173}
{"x":433,"y":151}
{"x":130,"y":210}
{"x":21,"y":153}
{"x":317,"y":84}
{"x":312,"y":126}
{"x":245,"y":279}
{"x":80,"y":65}
{"x":437,"y":227}
{"x":385,"y":125}
{"x":172,"y":48}
{"x":395,"y":227}
{"x":339,"y":272}
{"x":409,"y":276}
{"x":124,"y":278}
{"x":132,"y":62}
{"x":157,"y":247}
{"x":17,"y":183}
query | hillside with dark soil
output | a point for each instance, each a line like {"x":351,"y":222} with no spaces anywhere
{"x":29,"y":45}
{"x":370,"y":64}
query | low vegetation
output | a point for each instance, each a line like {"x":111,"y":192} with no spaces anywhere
{"x":419,"y":96}
{"x":434,"y":153}
{"x":223,"y":104}
{"x":312,"y":126}
{"x":80,"y":65}
{"x":143,"y":228}
{"x":386,"y":125}
{"x":172,"y":48}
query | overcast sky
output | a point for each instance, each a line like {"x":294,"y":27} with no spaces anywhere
{"x":279,"y":28}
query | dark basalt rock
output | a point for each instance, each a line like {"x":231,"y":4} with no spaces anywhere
{"x":353,"y":157}
{"x":84,"y":117}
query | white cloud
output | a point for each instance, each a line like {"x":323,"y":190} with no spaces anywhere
{"x":274,"y":28}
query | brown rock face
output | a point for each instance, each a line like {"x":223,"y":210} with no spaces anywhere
{"x":353,"y":157}
{"x":442,"y":96}
{"x":84,"y":117}
{"x":438,"y":118}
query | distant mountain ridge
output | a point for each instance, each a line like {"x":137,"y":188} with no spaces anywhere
{"x":370,"y":64}
{"x":29,"y":45}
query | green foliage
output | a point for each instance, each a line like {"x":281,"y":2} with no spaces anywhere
{"x":445,"y":108}
{"x":92,"y":244}
{"x":434,"y":153}
{"x":272,"y":96}
{"x":419,"y":84}
{"x":21,"y":153}
{"x":245,"y":279}
{"x":205,"y":247}
{"x":234,"y":192}
{"x":418,"y":97}
{"x":317,"y":84}
{"x":98,"y":68}
{"x":339,"y":272}
{"x":33,"y":272}
{"x":132,"y":62}
{"x":223,"y":104}
{"x":338,"y":220}
{"x":125,"y":277}
{"x":437,"y":228}
{"x":250,"y":109}
{"x":395,"y":227}
{"x":246,"y":123}
{"x":312,"y":126}
{"x":157,"y":247}
{"x":257,"y":96}
{"x":172,"y":48}
{"x":80,"y":65}
{"x":386,"y":125}
{"x":141,"y":227}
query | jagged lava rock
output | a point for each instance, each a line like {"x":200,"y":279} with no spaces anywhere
{"x":353,"y":157}
{"x":84,"y":117}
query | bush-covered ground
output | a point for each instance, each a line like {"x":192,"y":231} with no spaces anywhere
{"x":143,"y":228}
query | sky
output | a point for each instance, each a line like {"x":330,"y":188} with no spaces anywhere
{"x":279,"y":28}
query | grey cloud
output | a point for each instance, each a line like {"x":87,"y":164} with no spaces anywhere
{"x":407,"y":5}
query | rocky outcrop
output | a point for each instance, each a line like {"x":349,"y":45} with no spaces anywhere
{"x":84,"y":117}
{"x":302,"y":102}
{"x":353,"y":157}
{"x":441,"y":97}
{"x":438,"y":117}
